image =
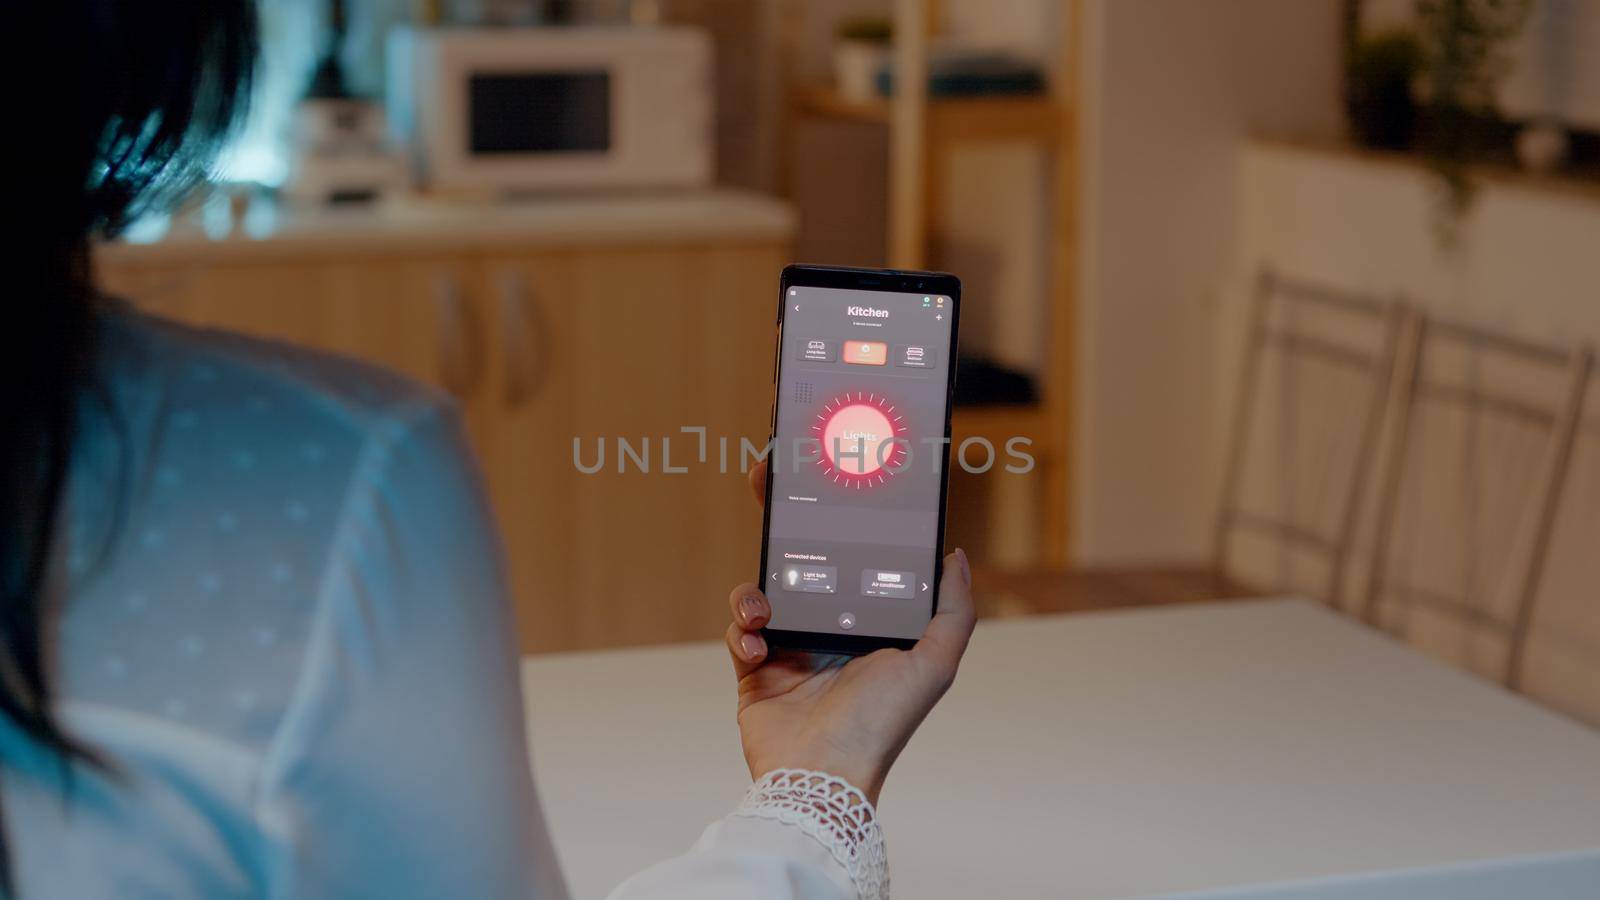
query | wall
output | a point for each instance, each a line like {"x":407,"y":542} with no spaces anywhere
{"x":1528,"y":264}
{"x":1172,"y":88}
{"x":744,"y":38}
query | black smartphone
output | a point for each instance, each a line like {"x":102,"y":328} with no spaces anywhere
{"x":853,"y":539}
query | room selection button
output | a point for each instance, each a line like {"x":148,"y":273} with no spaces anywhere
{"x":816,"y":350}
{"x":915,"y":356}
{"x":866,"y":353}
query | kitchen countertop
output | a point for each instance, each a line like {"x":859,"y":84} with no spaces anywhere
{"x":414,"y":224}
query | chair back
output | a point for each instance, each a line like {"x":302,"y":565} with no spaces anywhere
{"x":1485,"y":425}
{"x":1318,"y":368}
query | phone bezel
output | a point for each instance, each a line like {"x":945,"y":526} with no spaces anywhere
{"x":887,"y":281}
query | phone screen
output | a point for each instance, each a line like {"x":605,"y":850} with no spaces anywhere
{"x":859,"y":461}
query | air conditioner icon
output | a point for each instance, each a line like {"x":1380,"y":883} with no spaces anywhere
{"x":816,"y":346}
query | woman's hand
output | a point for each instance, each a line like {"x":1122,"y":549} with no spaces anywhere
{"x":848,"y":716}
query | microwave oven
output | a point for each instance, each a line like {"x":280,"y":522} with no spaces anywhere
{"x":542,"y":109}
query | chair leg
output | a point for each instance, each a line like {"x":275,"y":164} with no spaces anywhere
{"x":1243,"y":416}
{"x":1389,"y":492}
{"x":1383,"y":382}
{"x":1525,"y":588}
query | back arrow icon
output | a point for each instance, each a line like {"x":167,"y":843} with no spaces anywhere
{"x":775,"y":577}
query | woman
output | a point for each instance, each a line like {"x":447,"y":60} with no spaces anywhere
{"x":255,"y":632}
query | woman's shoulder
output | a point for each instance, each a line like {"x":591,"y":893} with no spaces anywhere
{"x":224,"y":369}
{"x":212,"y":493}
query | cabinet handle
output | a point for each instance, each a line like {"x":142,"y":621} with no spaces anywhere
{"x":520,"y":331}
{"x":460,"y":363}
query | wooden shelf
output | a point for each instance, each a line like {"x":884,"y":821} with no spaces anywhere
{"x":922,"y":132}
{"x":1030,"y":117}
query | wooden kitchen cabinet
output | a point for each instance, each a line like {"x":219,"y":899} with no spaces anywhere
{"x":631,"y":328}
{"x":632,"y":345}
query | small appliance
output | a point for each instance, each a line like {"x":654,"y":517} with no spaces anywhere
{"x":540,"y":109}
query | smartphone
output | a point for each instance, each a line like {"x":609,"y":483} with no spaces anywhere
{"x":853,"y":540}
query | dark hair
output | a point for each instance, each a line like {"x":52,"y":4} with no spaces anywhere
{"x":116,"y":107}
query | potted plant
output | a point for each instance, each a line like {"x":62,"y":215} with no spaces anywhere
{"x":1382,"y":72}
{"x":1464,"y":60}
{"x":861,"y":50}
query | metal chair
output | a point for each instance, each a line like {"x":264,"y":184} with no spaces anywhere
{"x":1336,"y":356}
{"x":1483,"y":441}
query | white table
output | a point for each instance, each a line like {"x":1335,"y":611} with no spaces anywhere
{"x":1118,"y":754}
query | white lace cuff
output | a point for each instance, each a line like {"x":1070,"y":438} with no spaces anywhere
{"x":834,"y":813}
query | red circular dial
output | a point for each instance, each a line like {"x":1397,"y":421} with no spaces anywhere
{"x":853,"y":430}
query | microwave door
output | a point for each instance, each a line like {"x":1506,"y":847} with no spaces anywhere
{"x":528,"y":114}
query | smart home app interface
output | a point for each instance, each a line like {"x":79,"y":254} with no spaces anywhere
{"x":857,"y":465}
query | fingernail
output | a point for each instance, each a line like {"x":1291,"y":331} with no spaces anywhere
{"x":750,"y":610}
{"x":750,"y":646}
{"x":966,"y":570}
